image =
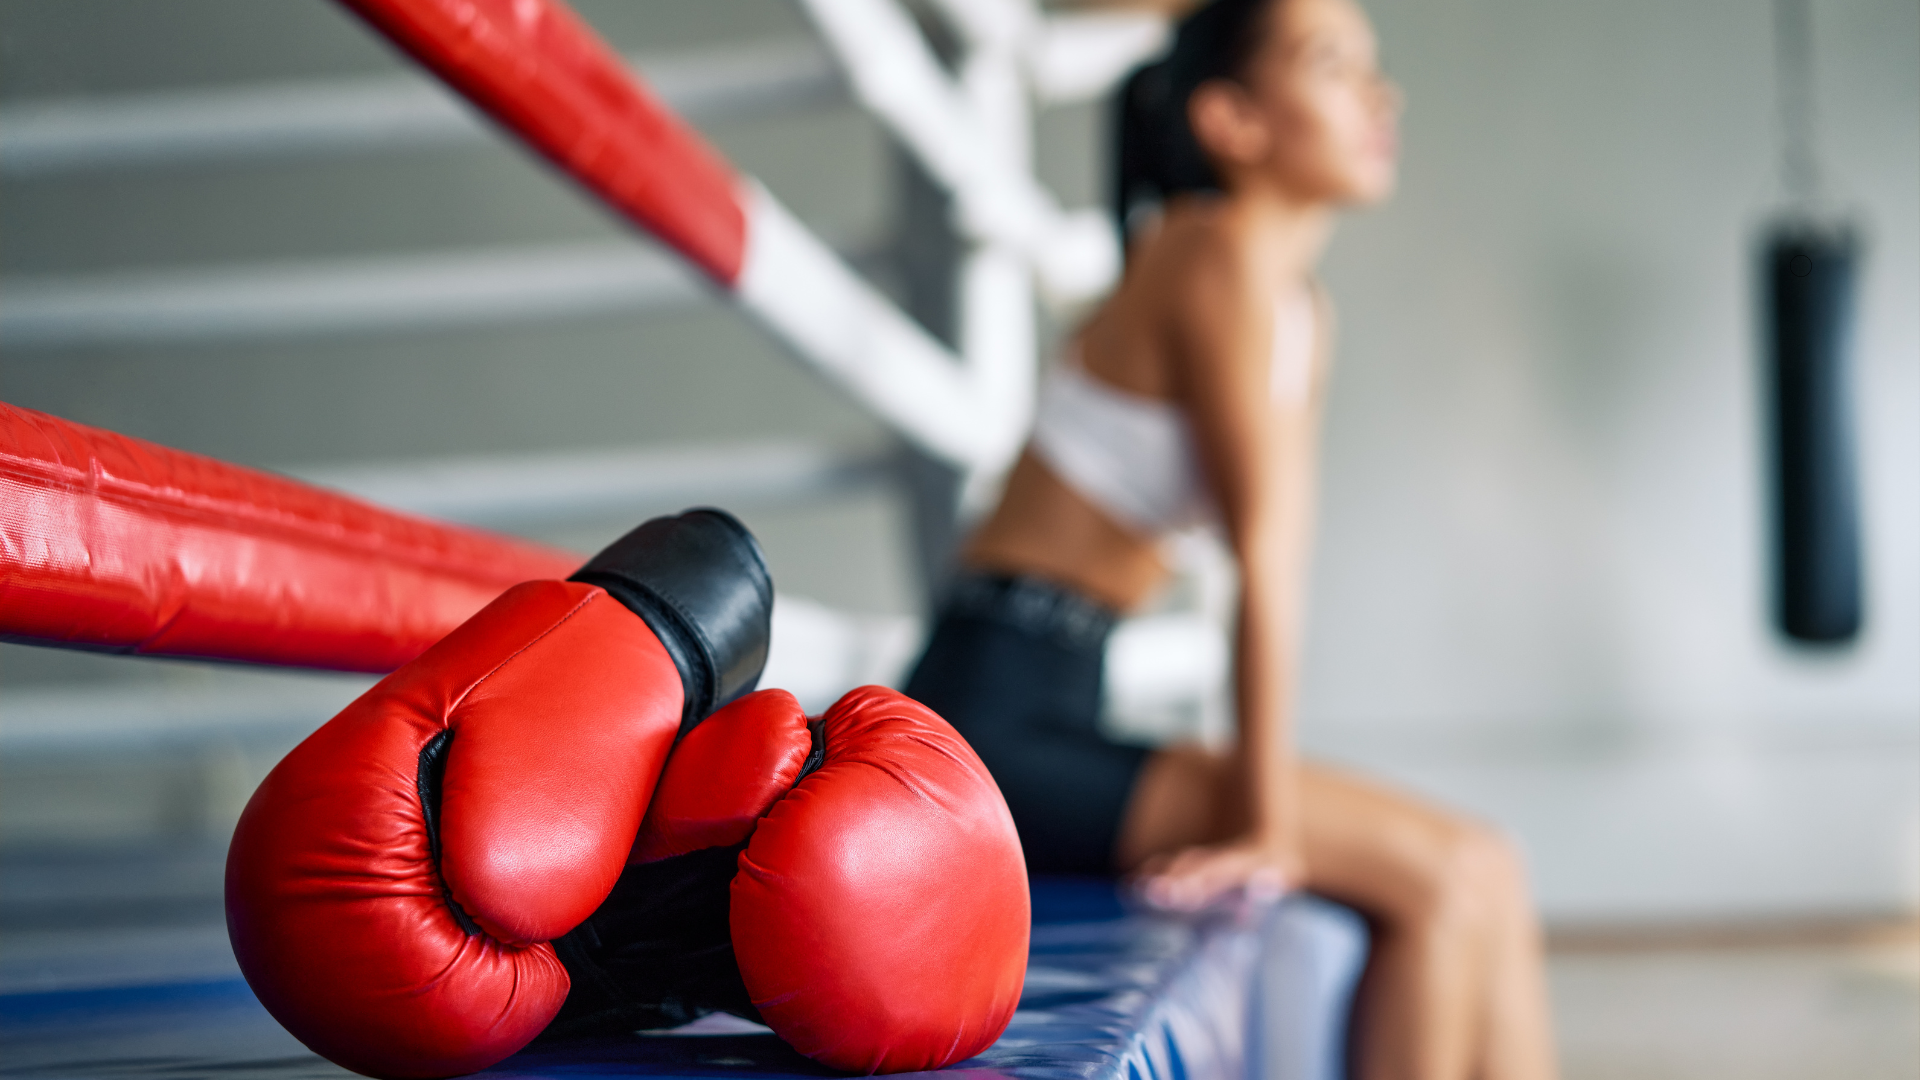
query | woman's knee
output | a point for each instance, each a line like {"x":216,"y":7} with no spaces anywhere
{"x":1467,"y":874}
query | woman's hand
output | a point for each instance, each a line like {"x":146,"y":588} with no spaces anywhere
{"x":1262,"y":868}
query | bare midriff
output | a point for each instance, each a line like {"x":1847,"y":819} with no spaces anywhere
{"x":1044,"y":528}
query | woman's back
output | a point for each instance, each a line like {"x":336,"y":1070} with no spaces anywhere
{"x":1088,"y":503}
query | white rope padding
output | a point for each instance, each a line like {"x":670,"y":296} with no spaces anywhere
{"x":807,"y":296}
{"x":896,"y":77}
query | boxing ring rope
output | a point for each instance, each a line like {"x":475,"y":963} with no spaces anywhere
{"x":546,"y":76}
{"x":115,"y":544}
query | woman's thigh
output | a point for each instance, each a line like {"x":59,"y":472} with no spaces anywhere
{"x":1393,"y":855}
{"x":1383,"y":851}
{"x":1183,"y":796}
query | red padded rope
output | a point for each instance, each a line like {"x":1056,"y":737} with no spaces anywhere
{"x":544,"y":74}
{"x":113,"y":543}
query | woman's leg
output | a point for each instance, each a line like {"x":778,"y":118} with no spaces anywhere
{"x":1453,"y":987}
{"x":1454,"y":984}
{"x":1519,"y":1036}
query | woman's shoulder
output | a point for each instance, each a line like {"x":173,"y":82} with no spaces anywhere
{"x":1197,"y":294}
{"x":1200,"y":258}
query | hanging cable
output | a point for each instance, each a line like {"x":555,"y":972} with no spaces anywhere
{"x":1793,"y":76}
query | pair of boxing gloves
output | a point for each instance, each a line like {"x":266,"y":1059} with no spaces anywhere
{"x":537,"y":827}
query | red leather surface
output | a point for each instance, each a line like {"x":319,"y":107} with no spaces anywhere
{"x":562,"y":706}
{"x":724,"y":775}
{"x":880,"y":915}
{"x":545,"y":75}
{"x":111,"y":542}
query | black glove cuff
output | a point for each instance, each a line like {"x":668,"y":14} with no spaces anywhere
{"x":658,"y":952}
{"x":701,"y":583}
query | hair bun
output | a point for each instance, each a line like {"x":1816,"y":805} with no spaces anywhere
{"x":1155,"y":153}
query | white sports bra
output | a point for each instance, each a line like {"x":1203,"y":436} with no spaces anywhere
{"x":1133,"y":456}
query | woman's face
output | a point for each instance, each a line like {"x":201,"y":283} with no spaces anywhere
{"x":1323,"y":112}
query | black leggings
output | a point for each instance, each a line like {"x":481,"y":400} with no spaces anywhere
{"x":1015,"y":665}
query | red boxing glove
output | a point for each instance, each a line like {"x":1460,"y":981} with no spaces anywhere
{"x":854,"y":883}
{"x":392,"y":886}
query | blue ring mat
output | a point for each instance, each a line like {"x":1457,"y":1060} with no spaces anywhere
{"x":1111,"y":994}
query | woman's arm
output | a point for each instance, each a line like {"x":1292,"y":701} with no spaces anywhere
{"x":1259,"y":461}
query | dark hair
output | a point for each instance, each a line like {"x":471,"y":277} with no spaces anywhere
{"x":1156,"y":154}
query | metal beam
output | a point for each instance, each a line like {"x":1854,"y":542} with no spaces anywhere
{"x":377,"y":113}
{"x":481,"y":288}
{"x":507,"y":491}
{"x":271,"y":712}
{"x":441,"y":291}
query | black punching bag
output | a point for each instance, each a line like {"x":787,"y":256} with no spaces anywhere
{"x":1809,"y":273}
{"x":1816,"y":515}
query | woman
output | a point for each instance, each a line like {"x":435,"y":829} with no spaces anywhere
{"x":1194,"y":393}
